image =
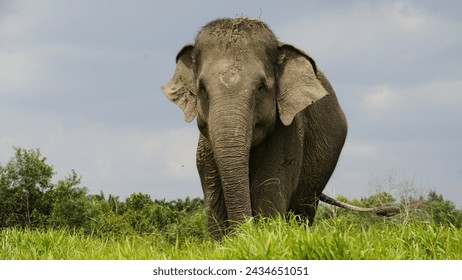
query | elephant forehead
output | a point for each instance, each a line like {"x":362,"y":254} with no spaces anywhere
{"x":232,"y":72}
{"x":229,"y":78}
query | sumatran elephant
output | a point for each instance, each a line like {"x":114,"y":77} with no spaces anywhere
{"x":271,"y":127}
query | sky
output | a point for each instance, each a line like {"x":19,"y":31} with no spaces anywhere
{"x":81,"y":81}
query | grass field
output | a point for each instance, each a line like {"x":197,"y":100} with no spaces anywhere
{"x":269,"y":239}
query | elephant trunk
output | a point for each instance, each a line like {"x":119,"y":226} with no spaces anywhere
{"x":230,"y":128}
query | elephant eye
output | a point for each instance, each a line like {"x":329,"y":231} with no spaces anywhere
{"x":202,"y":91}
{"x":201,"y":86}
{"x":261,"y":87}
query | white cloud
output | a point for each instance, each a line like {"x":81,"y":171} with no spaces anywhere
{"x":368,"y":30}
{"x":380,"y":100}
{"x":405,"y":16}
{"x":18,"y":72}
{"x":331,"y":32}
{"x":431,"y":95}
{"x":23,"y":17}
{"x":442,"y":94}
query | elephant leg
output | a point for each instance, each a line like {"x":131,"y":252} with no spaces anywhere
{"x":325,"y":131}
{"x":305,"y":200}
{"x":275,"y":170}
{"x":318,"y":165}
{"x":211,"y":186}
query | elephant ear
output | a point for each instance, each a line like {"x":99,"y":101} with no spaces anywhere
{"x":299,"y":86}
{"x":180,"y":89}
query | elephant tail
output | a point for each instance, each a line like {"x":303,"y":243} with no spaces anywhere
{"x":380,"y":211}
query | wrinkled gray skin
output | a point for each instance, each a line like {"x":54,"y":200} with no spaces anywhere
{"x":271,"y":128}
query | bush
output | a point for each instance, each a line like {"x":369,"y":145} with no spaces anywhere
{"x":441,"y":211}
{"x":24,"y":181}
{"x":70,"y":204}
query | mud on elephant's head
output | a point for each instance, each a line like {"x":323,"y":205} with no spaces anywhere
{"x":237,"y":73}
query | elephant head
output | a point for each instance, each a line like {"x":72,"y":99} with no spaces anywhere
{"x":239,"y":81}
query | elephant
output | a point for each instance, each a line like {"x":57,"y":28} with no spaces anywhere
{"x":271,"y":127}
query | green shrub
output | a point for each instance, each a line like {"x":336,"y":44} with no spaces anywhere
{"x":70,"y":204}
{"x":24,"y":181}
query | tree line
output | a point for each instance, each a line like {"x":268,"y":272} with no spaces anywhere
{"x":30,"y":199}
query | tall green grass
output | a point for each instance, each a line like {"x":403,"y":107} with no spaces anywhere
{"x":266,"y":239}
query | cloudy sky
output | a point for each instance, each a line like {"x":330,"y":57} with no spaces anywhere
{"x":80,"y":80}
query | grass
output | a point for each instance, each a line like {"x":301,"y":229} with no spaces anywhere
{"x":267,"y":239}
